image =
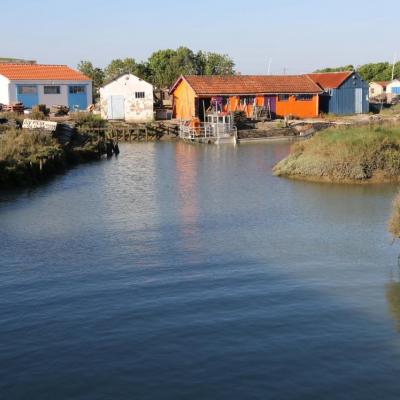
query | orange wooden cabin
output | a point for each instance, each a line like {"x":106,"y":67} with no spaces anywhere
{"x":282,"y":95}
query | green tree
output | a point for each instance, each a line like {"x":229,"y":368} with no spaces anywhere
{"x":119,"y":67}
{"x":337,"y":69}
{"x":94,"y":73}
{"x":166,"y":65}
{"x":214,"y":64}
{"x":381,"y":71}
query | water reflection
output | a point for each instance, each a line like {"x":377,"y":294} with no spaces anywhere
{"x":186,"y":183}
{"x":392,"y":291}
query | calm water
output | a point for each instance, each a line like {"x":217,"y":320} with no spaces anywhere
{"x":184,"y":272}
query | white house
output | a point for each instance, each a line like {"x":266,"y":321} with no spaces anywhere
{"x":33,"y":84}
{"x":128,"y":98}
{"x":393,"y":87}
{"x":377,"y":88}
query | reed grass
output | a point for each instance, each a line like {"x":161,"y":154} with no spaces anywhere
{"x":346,"y":154}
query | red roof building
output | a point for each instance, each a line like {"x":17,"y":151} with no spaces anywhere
{"x":295,"y":95}
{"x":33,"y":84}
{"x":344,"y":92}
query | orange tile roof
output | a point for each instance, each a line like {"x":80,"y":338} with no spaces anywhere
{"x":330,"y":80}
{"x":248,"y":84}
{"x":41,"y":72}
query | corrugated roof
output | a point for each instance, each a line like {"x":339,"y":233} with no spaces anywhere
{"x":41,"y":72}
{"x":330,"y":80}
{"x":249,"y":84}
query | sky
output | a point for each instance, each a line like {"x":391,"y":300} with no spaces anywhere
{"x":292,"y":36}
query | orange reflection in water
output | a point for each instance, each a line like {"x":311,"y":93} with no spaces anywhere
{"x":186,"y":173}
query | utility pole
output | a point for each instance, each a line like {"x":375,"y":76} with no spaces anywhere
{"x":269,"y":66}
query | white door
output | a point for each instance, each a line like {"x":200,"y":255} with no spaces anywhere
{"x":116,"y":105}
{"x":359,"y":100}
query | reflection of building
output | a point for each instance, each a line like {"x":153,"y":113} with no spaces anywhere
{"x":186,"y":183}
{"x":392,"y":291}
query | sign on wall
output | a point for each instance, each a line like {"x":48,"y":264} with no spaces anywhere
{"x":49,"y":126}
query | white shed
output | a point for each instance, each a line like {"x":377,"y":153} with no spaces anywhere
{"x":393,"y":87}
{"x":128,"y":98}
{"x":377,"y":88}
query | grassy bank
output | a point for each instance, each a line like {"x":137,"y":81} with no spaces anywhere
{"x":29,"y":157}
{"x":353,"y":154}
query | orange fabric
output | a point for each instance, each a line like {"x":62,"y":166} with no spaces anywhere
{"x":297,"y":108}
{"x":40,"y":72}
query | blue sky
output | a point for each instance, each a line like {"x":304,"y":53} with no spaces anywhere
{"x":299,"y":36}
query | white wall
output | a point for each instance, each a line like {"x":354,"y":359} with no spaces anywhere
{"x":395,"y":83}
{"x":4,"y":90}
{"x":50,"y":99}
{"x":136,"y":110}
{"x":389,"y":89}
{"x":375,"y":89}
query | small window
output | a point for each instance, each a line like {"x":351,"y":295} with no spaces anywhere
{"x":52,"y":89}
{"x":372,"y":90}
{"x":304,"y":97}
{"x":27,"y":89}
{"x":76,"y":89}
{"x":139,"y":95}
{"x":283,"y":97}
{"x":221,"y":120}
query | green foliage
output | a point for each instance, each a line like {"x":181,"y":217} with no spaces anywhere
{"x":163,"y":67}
{"x":119,"y":67}
{"x":381,"y":71}
{"x":346,"y":154}
{"x":18,"y":146}
{"x":337,"y":69}
{"x":94,"y":73}
{"x":83,"y":119}
{"x":214,"y":64}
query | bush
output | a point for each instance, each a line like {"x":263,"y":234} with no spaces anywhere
{"x":17,"y":146}
{"x":87,"y":119}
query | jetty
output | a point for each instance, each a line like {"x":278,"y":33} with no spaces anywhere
{"x":218,"y":128}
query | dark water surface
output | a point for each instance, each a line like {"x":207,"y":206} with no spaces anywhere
{"x":184,"y":272}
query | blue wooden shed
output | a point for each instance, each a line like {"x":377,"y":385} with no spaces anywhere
{"x":344,"y":92}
